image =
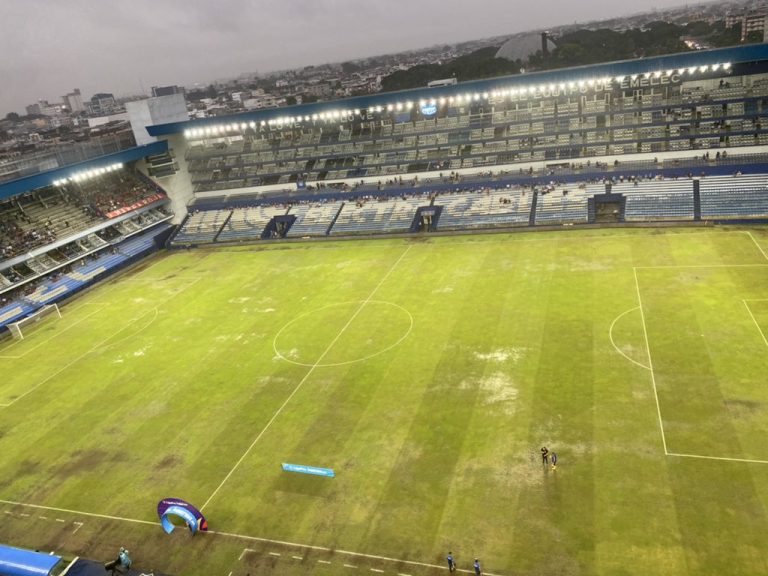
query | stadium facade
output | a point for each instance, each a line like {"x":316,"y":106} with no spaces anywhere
{"x":632,"y":139}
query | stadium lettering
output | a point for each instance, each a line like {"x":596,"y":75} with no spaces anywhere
{"x":649,"y":81}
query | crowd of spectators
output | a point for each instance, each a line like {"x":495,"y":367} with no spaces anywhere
{"x":113,"y":191}
{"x":15,"y":239}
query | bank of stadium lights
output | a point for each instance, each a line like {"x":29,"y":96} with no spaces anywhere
{"x":465,"y":98}
{"x":88,"y":174}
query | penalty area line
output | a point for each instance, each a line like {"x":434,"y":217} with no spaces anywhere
{"x":650,"y":361}
{"x":305,"y":378}
{"x":721,"y":458}
{"x":758,"y":245}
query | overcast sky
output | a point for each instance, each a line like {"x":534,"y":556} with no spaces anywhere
{"x":49,"y":47}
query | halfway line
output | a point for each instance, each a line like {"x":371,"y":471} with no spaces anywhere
{"x":306,"y":376}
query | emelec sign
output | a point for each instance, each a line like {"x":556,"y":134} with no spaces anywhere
{"x":650,"y":81}
{"x":637,"y":83}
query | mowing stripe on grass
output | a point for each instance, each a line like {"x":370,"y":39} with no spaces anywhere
{"x":306,"y":376}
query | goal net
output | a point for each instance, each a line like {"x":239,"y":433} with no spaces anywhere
{"x":20,"y":328}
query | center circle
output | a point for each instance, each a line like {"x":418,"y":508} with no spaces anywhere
{"x":343,"y":333}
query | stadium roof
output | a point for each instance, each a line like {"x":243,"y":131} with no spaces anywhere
{"x":43,"y":179}
{"x":733,"y":55}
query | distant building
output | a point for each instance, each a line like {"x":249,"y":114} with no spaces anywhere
{"x":158,"y":110}
{"x":74,"y":101}
{"x":43,"y":108}
{"x":166,"y":90}
{"x":101,"y":104}
{"x":752,"y":22}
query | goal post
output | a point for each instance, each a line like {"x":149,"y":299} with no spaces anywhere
{"x":20,"y":328}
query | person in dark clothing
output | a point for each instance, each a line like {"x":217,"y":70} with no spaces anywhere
{"x":544,"y":455}
{"x":451,"y":562}
{"x":476,"y":566}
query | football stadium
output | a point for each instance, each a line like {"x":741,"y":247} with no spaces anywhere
{"x":521,"y":322}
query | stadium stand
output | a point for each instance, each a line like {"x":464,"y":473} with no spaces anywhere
{"x":657,"y":199}
{"x":734,"y":197}
{"x":313,"y":219}
{"x":485,"y":208}
{"x":249,"y":223}
{"x":370,"y":216}
{"x":561,"y":205}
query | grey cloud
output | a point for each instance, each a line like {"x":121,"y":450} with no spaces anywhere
{"x":49,"y":47}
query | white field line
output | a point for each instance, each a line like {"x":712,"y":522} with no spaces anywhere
{"x":44,"y":342}
{"x":758,"y":265}
{"x":650,"y":361}
{"x":66,"y":366}
{"x":79,"y":525}
{"x":755,"y":321}
{"x":305,"y":378}
{"x":98,"y":346}
{"x":73,"y":311}
{"x":758,"y":246}
{"x":718,"y":458}
{"x":339,"y":551}
{"x":610,"y":335}
{"x":364,"y":358}
{"x":78,"y":513}
{"x":653,"y":376}
{"x":233,"y":535}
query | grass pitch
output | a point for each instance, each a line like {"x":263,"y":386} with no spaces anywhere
{"x":427,"y":374}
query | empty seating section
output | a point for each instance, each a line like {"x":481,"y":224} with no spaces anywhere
{"x":509,"y":130}
{"x":372,"y":216}
{"x":561,"y":204}
{"x":657,"y":199}
{"x":202,"y":226}
{"x":313,"y":219}
{"x":485,"y":208}
{"x":734,"y":197}
{"x":249,"y":223}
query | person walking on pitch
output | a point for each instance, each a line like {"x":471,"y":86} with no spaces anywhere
{"x":451,"y":562}
{"x":544,"y":455}
{"x":476,"y":566}
{"x":554,"y":460}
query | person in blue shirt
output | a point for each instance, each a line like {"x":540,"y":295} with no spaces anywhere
{"x":553,"y":459}
{"x":476,"y":566}
{"x":451,"y":562}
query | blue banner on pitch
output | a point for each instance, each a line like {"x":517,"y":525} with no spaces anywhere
{"x":308,"y":470}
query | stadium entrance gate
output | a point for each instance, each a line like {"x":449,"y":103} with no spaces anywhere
{"x":607,"y":208}
{"x":425,"y":219}
{"x":278,"y":226}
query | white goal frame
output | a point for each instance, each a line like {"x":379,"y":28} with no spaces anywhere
{"x":17,"y":328}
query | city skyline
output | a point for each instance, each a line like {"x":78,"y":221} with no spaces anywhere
{"x":53,"y":47}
